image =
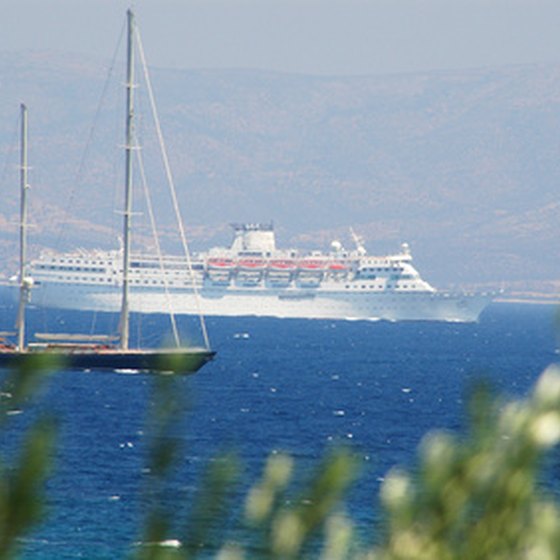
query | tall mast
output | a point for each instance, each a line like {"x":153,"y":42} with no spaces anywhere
{"x":127,"y":214}
{"x":23,"y":281}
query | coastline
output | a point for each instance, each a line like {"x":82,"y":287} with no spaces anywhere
{"x":533,"y":299}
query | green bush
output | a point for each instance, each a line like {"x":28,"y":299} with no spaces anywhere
{"x":476,"y":496}
{"x":22,"y":482}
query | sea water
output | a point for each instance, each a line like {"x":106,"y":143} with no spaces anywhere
{"x":276,"y":385}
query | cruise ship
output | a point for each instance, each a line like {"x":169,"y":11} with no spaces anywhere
{"x":253,"y":278}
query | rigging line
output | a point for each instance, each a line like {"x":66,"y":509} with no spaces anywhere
{"x":158,"y":245}
{"x":79,"y":172}
{"x":85,"y":154}
{"x":9,"y":163}
{"x":171,"y":185}
{"x":12,"y":149}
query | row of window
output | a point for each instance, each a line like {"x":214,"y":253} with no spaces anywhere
{"x":79,"y":261}
{"x":108,"y":280}
{"x":167,"y":266}
{"x":172,"y":283}
{"x":103,"y":270}
{"x":380,"y":269}
{"x":72,"y":268}
{"x":80,"y":279}
{"x":381,"y":287}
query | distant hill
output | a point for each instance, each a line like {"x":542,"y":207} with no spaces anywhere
{"x":463,"y":165}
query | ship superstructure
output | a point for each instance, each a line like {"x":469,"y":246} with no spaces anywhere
{"x":253,"y":277}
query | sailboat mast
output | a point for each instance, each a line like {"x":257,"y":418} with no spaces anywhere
{"x":127,"y":214}
{"x":23,"y":281}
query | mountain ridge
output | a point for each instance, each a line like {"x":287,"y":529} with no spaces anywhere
{"x":461,"y":164}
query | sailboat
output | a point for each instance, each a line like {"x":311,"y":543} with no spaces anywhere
{"x":98,"y":351}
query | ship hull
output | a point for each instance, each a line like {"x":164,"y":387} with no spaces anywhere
{"x":318,"y":303}
{"x":177,"y":361}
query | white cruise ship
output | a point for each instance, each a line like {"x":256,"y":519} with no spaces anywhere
{"x":253,"y":278}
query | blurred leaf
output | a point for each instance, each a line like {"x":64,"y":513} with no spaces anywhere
{"x":22,"y":484}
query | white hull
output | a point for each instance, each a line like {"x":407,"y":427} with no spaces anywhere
{"x":253,"y":278}
{"x":319,"y":303}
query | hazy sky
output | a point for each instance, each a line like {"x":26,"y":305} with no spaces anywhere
{"x":309,"y":36}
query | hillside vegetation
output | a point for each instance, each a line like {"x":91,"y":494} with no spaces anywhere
{"x":463,"y":165}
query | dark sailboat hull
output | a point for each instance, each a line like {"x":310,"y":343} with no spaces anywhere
{"x":174,"y":361}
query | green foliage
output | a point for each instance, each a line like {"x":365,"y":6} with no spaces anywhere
{"x":22,"y":482}
{"x":476,"y":496}
{"x":286,"y":526}
{"x":480,"y":497}
{"x":471,"y":497}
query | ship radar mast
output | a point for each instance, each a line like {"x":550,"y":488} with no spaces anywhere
{"x":359,"y":242}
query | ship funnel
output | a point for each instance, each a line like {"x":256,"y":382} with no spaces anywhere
{"x":258,"y":238}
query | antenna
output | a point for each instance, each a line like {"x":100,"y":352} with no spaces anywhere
{"x":359,"y":242}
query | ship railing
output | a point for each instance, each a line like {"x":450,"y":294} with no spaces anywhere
{"x":75,"y":337}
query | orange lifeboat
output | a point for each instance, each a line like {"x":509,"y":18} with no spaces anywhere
{"x":312,"y":264}
{"x":221,"y":263}
{"x":252,"y":264}
{"x":337,"y":266}
{"x":283,"y":265}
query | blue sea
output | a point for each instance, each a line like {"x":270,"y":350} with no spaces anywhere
{"x":298,"y":386}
